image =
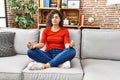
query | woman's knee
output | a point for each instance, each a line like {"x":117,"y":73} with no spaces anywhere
{"x":29,"y":52}
{"x":34,"y":52}
{"x":71,"y":50}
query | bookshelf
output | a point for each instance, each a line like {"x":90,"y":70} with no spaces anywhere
{"x":69,"y":13}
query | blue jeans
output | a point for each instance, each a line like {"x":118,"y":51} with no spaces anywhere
{"x":54,"y":56}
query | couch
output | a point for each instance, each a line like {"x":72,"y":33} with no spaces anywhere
{"x":97,"y":57}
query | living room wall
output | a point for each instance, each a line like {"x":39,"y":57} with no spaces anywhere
{"x":104,"y":16}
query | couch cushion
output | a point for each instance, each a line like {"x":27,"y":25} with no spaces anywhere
{"x":76,"y":39}
{"x":75,"y":35}
{"x":7,"y":44}
{"x":101,"y":69}
{"x":11,"y":67}
{"x":101,"y":43}
{"x":54,"y":73}
{"x":22,"y":37}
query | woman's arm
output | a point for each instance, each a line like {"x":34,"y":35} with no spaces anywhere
{"x":38,"y":45}
{"x":33,"y":46}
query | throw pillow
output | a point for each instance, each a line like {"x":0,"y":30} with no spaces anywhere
{"x":7,"y":44}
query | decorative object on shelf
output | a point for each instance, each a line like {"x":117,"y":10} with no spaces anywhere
{"x":72,"y":22}
{"x":91,"y":20}
{"x":24,"y":12}
{"x":64,"y":5}
{"x":73,"y":3}
{"x":41,"y":3}
{"x":46,"y":3}
{"x":53,"y":4}
{"x":81,"y":19}
{"x":65,"y":1}
{"x":66,"y":21}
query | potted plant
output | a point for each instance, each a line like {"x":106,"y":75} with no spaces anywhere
{"x":64,"y":5}
{"x":72,"y":21}
{"x":24,"y":11}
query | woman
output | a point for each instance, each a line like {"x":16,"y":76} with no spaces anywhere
{"x":58,"y":50}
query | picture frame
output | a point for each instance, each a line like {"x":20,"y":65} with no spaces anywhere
{"x":73,"y":3}
{"x":64,"y":3}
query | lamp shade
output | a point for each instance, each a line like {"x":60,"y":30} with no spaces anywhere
{"x":113,"y":3}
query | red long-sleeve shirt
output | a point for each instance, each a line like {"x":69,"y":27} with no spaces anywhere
{"x":56,"y":39}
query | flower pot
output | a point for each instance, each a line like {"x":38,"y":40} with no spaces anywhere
{"x":64,"y":6}
{"x":72,"y":23}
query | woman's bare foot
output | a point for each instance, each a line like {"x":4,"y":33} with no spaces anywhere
{"x":47,"y":65}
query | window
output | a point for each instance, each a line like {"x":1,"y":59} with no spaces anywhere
{"x":3,"y":13}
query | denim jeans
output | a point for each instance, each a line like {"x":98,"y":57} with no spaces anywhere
{"x":54,"y":56}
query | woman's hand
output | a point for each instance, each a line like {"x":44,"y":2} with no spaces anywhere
{"x":72,"y":44}
{"x":30,"y":45}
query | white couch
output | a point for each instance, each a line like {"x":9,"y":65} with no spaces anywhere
{"x":99,"y":58}
{"x":14,"y":67}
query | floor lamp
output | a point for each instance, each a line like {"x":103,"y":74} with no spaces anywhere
{"x":114,"y":4}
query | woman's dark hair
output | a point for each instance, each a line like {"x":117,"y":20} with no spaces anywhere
{"x":50,"y":15}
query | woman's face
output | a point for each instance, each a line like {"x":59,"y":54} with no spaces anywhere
{"x":55,"y":19}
